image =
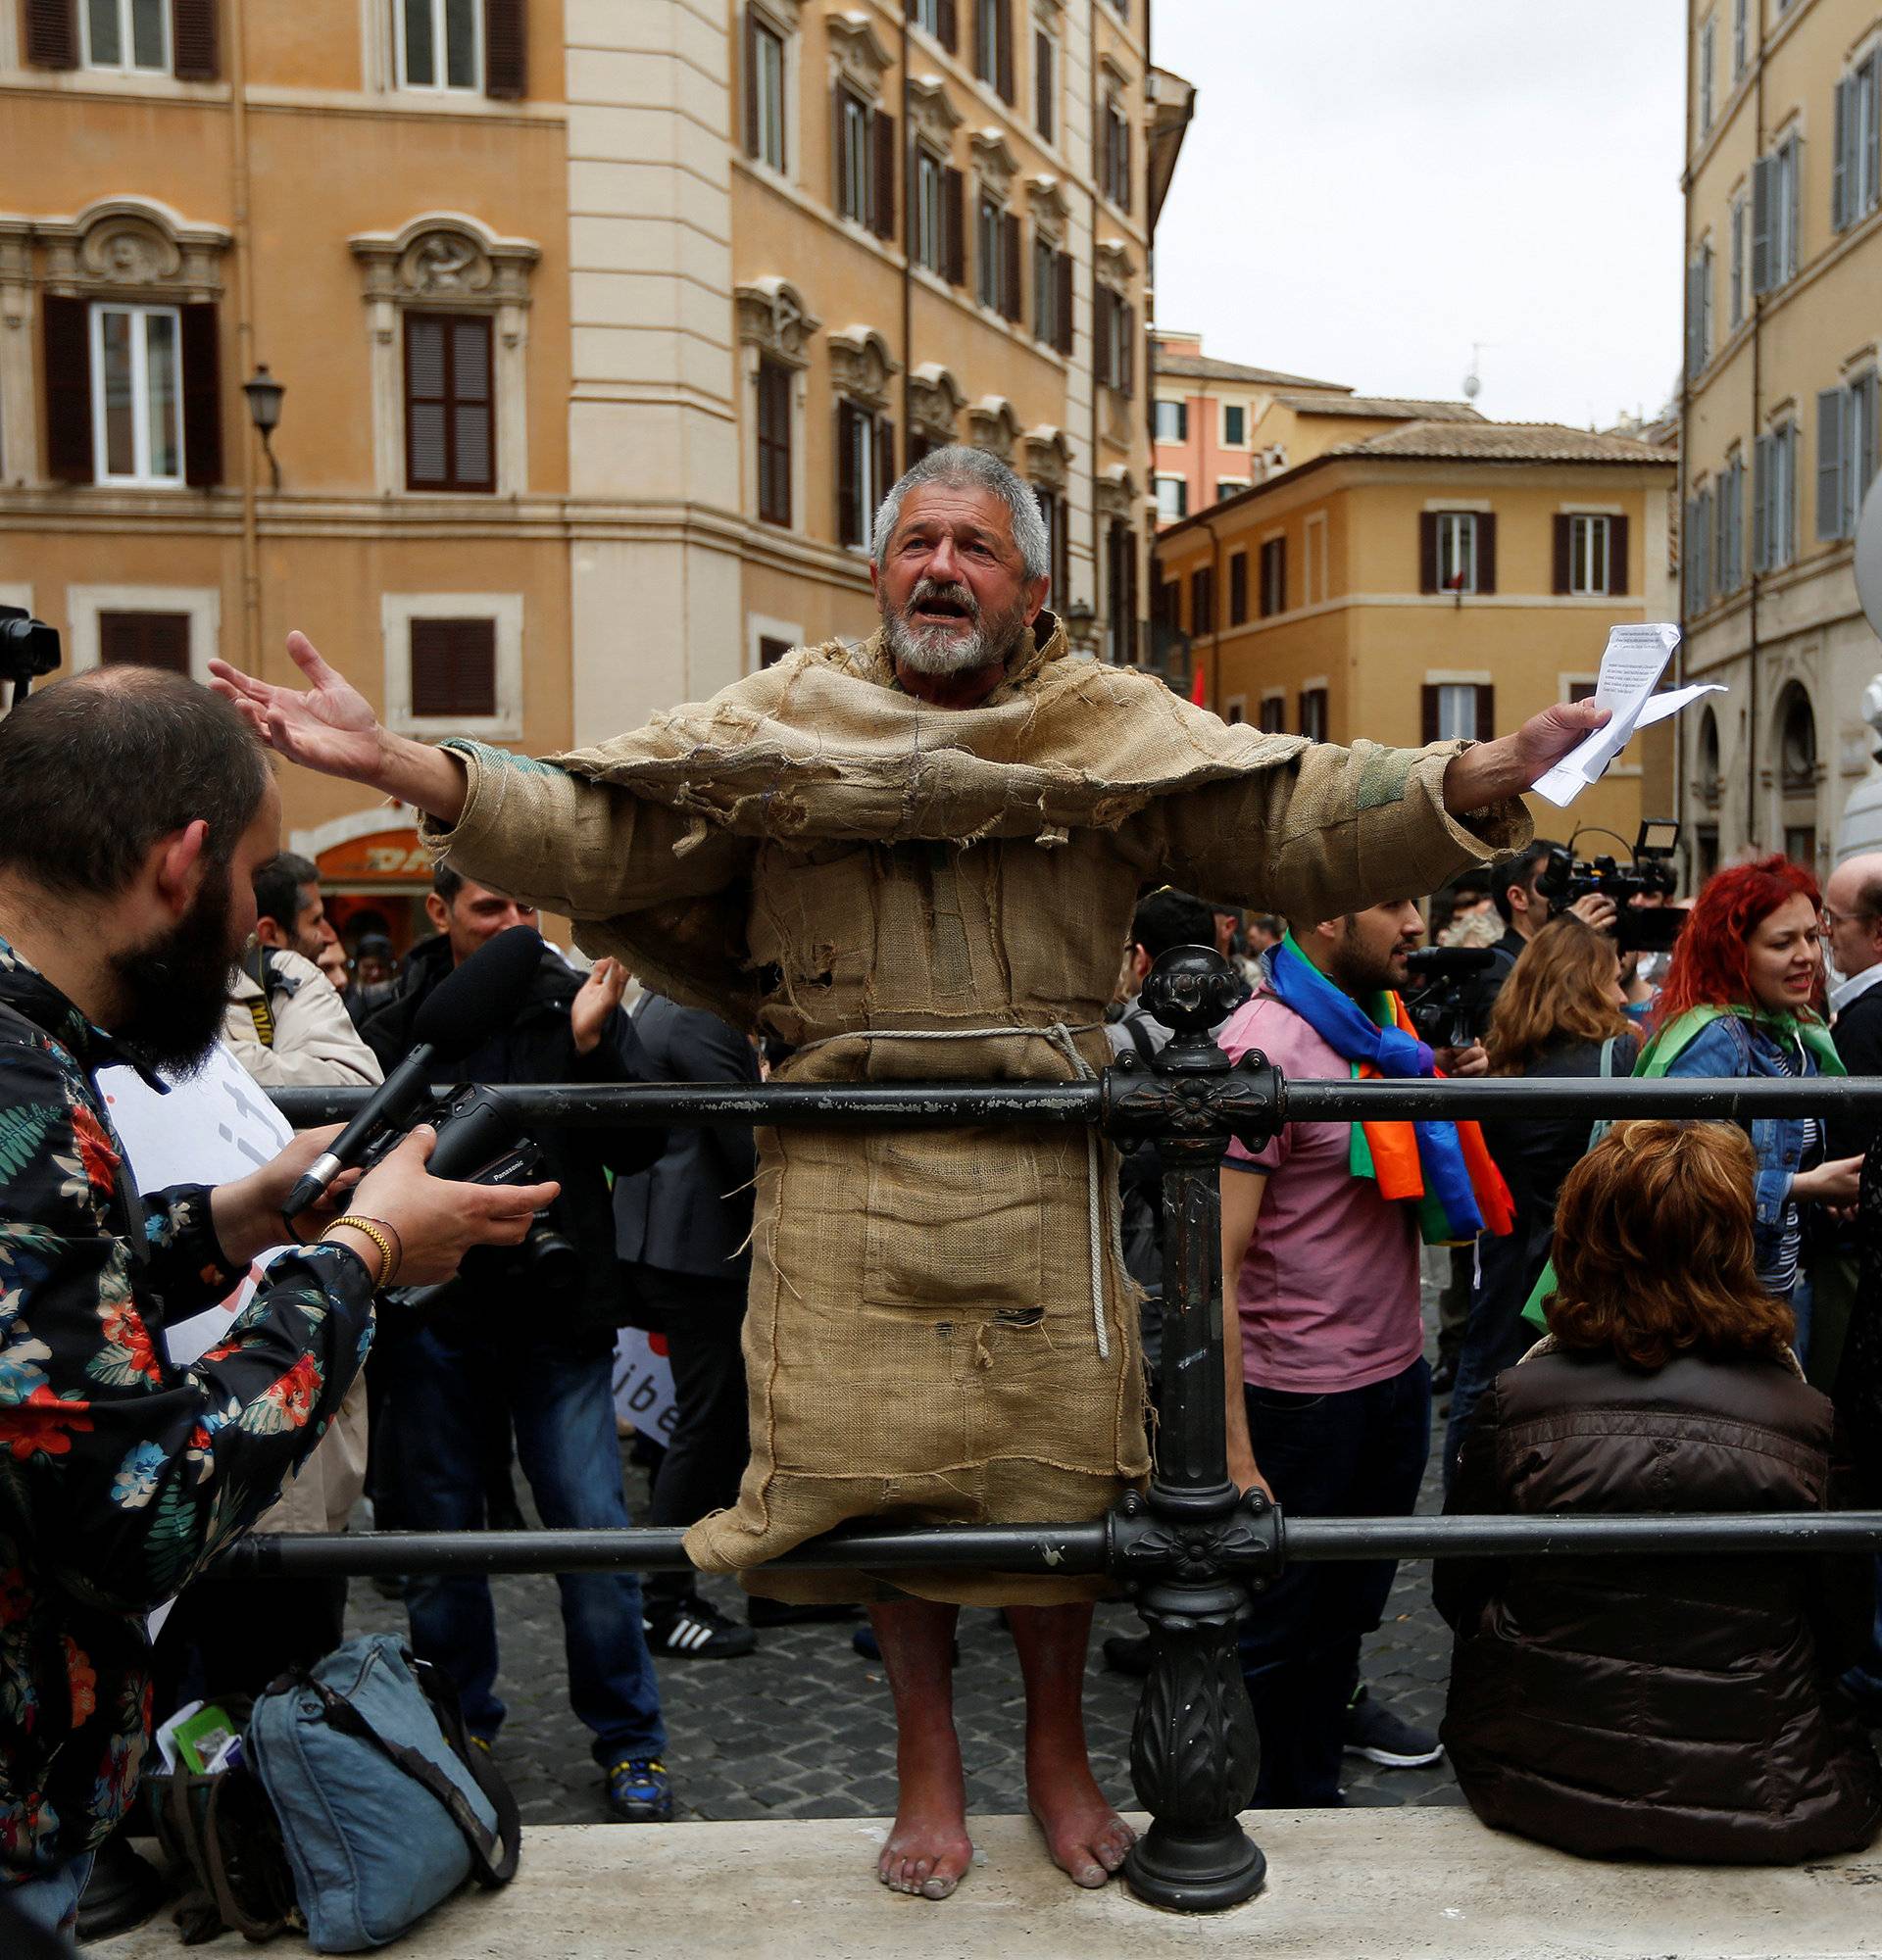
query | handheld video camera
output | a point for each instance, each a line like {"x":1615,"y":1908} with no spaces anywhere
{"x":29,"y":649}
{"x":1441,"y":1007}
{"x":1644,"y":922}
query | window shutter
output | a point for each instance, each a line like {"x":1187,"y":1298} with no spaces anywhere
{"x":1867,"y":462}
{"x":202,"y":398}
{"x":1763,"y":182}
{"x":1486,"y":713}
{"x":454,"y":667}
{"x":1428,"y":552}
{"x":839,"y":174}
{"x":1280,"y":575}
{"x":884,"y":437}
{"x":1829,"y":464}
{"x":505,"y":49}
{"x":751,"y":83}
{"x":193,"y":34}
{"x":882,"y":136}
{"x":52,"y":38}
{"x":848,"y":490}
{"x":1238,"y":588}
{"x":1617,"y":556}
{"x":1009,"y":265}
{"x":145,"y":640}
{"x":954,"y":226}
{"x":473,"y":431}
{"x":1127,"y":349}
{"x":1761,"y":506}
{"x":949,"y":21}
{"x":1564,"y":544}
{"x":1002,"y":26}
{"x":1124,"y":163}
{"x":428,"y":454}
{"x":1841,"y":172}
{"x":1062,"y":316}
{"x":1102,"y":299}
{"x":1428,"y":713}
{"x":67,"y":350}
{"x":1130,"y":548}
{"x":1486,"y":551}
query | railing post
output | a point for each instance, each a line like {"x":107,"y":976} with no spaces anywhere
{"x":1194,"y":1752}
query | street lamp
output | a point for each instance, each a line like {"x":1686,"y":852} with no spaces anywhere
{"x":264,"y":394}
{"x":1080,"y":624}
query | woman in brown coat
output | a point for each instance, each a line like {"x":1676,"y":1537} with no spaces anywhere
{"x":1673,"y":1707}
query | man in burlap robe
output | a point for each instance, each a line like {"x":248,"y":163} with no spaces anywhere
{"x":913,"y":859}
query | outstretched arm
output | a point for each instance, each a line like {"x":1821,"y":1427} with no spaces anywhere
{"x":1489,"y":772}
{"x":331,"y":728}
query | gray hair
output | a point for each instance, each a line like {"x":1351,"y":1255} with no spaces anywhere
{"x":959,"y":465}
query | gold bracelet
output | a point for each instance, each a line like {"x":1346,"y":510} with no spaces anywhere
{"x":373,"y":1229}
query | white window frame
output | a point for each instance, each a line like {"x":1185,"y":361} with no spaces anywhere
{"x":129,"y":65}
{"x":1457,"y":543}
{"x":1741,"y":36}
{"x":203,"y":604}
{"x":758,"y":628}
{"x":1168,"y":512}
{"x":398,"y":610}
{"x":855,"y":133}
{"x":1787,"y":212}
{"x":1590,"y":545}
{"x":774,"y":123}
{"x":140,"y":477}
{"x":1229,"y":486}
{"x":930,"y":227}
{"x":1454,"y":726}
{"x":439,"y":86}
{"x":1181,"y":410}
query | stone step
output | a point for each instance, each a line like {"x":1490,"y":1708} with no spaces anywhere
{"x":1387,"y":1885}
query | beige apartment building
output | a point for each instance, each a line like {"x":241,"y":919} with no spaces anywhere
{"x":1435,"y":577}
{"x":1778,"y":415}
{"x":602,"y":325}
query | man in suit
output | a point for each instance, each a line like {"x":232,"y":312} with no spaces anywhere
{"x":683,"y":1228}
{"x":1853,"y":918}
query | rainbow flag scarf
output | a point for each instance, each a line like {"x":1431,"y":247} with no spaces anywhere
{"x":1443,"y":1168}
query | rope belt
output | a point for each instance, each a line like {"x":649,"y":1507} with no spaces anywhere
{"x":1060,"y":1038}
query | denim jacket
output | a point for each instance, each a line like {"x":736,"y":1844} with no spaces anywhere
{"x":1733,"y":1046}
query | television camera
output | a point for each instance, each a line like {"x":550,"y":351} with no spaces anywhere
{"x":1644,"y":919}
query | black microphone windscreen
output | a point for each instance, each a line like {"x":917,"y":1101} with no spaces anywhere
{"x":480,"y":996}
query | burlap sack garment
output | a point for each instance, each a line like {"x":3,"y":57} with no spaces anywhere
{"x":818,"y":854}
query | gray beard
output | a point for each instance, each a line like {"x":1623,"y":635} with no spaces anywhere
{"x":936,"y":650}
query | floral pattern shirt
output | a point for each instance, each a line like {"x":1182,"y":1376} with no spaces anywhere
{"x":119,"y":1474}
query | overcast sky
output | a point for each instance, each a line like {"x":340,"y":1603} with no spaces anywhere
{"x":1371,"y":185}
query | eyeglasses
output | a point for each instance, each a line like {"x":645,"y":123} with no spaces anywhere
{"x":1832,"y":919}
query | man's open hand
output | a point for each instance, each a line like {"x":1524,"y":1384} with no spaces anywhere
{"x":599,"y":997}
{"x":1493,"y":772}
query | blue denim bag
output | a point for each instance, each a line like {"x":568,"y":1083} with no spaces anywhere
{"x":384,"y":1809}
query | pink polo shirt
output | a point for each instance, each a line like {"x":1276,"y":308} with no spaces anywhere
{"x":1329,"y":1290}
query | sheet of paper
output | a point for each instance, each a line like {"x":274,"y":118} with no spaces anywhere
{"x":1631,"y":665}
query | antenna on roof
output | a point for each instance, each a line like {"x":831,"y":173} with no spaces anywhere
{"x":1473,"y":381}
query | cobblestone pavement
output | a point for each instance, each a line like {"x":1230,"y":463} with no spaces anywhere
{"x":803,"y":1727}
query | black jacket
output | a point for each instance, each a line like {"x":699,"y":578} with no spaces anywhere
{"x":1673,"y":1707}
{"x":1480,"y":994}
{"x":691,"y":1212}
{"x":1858,"y":1034}
{"x":537,"y":1046}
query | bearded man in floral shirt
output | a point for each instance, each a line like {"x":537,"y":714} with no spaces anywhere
{"x":133,"y":809}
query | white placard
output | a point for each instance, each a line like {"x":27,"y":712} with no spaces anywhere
{"x":644,"y":1384}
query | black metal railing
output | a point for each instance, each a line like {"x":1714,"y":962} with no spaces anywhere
{"x":1191,"y":1549}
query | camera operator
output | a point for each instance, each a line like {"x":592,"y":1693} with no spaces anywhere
{"x":1524,"y":912}
{"x":134,"y":806}
{"x":529,"y":1337}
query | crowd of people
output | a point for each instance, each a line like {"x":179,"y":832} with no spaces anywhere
{"x":1648,"y":1317}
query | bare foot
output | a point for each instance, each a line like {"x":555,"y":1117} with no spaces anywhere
{"x":927,"y":1854}
{"x":1086,"y":1837}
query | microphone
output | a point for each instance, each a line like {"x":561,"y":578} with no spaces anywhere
{"x":465,"y":1009}
{"x":1447,"y":963}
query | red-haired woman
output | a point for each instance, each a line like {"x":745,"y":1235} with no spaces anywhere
{"x":1646,"y":1705}
{"x":1742,"y":999}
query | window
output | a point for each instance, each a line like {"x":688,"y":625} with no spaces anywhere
{"x":764,"y":91}
{"x":1591,"y":553}
{"x":1234,"y":425}
{"x":855,"y":157}
{"x":1273,"y":577}
{"x":1045,"y":83}
{"x":1273,"y":714}
{"x":1741,"y":227}
{"x":864,"y":469}
{"x":137,"y":390}
{"x":145,"y":640}
{"x":926,"y":15}
{"x":997,"y":259}
{"x":1699,"y":309}
{"x":1120,"y":589}
{"x":1775,"y":498}
{"x":1728,"y":525}
{"x":1229,"y":486}
{"x":1045,"y":291}
{"x":1797,"y":751}
{"x":454,"y":668}
{"x":1856,"y":177}
{"x":770,"y":651}
{"x":1172,"y":498}
{"x":440,"y":44}
{"x":1115,"y":335}
{"x":1846,"y":454}
{"x":1774,"y":215}
{"x":928,"y":222}
{"x":1454,"y":535}
{"x":993,"y":45}
{"x":1201,"y":599}
{"x":450,"y":436}
{"x":1054,"y":511}
{"x":1173,"y":421}
{"x":1457,"y":712}
{"x":1113,"y":164}
{"x":1741,"y":36}
{"x":773,"y":441}
{"x":1707,"y":53}
{"x":1313,"y":713}
{"x":1238,"y":588}
{"x":1696,"y":551}
{"x":131,"y":37}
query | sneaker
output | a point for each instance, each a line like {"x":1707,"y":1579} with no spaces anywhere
{"x":638,"y":1791}
{"x":1373,"y":1731}
{"x":696,"y":1630}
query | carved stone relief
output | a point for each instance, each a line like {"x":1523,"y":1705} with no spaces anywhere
{"x":1117,"y":493}
{"x":862,"y":366}
{"x":773,"y":316}
{"x":860,"y":58}
{"x":996,"y":163}
{"x":993,"y":426}
{"x":935,"y":402}
{"x":1048,"y":457}
{"x":446,"y":258}
{"x":934,"y":116}
{"x":1050,"y":211}
{"x":134,"y":243}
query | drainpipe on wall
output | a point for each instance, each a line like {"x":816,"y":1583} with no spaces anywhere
{"x":908,"y":249}
{"x":1123,"y":656}
{"x":239,"y":184}
{"x":1758,"y":399}
{"x":1217,"y":606}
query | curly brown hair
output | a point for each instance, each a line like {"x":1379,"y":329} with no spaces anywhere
{"x":1556,"y":992}
{"x":1654,"y":1253}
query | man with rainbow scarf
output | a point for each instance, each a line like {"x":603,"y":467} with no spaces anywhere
{"x":1329,"y":1395}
